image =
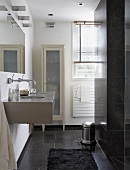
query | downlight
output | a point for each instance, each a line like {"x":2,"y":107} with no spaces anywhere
{"x":50,"y":15}
{"x":81,"y":3}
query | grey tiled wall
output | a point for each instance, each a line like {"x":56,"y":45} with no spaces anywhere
{"x":112,"y":40}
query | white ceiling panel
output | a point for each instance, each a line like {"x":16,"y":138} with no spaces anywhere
{"x":62,"y":10}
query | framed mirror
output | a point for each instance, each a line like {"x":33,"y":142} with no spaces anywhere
{"x":12,"y":44}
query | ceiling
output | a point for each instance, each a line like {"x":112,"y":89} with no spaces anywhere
{"x":3,"y":14}
{"x":62,"y":10}
{"x":13,"y":15}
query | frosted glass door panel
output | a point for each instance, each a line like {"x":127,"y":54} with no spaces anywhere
{"x":10,"y":61}
{"x":53,"y":76}
{"x":12,"y":58}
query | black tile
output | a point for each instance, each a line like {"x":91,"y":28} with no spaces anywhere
{"x":108,"y":167}
{"x":115,"y":143}
{"x":36,"y":153}
{"x":116,"y":116}
{"x":127,"y":160}
{"x":118,"y":164}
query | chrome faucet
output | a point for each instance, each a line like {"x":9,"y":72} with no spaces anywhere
{"x":11,"y":80}
{"x":27,"y":80}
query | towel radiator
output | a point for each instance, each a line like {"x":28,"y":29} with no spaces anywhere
{"x":83,"y":109}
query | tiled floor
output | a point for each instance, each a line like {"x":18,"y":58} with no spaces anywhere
{"x":36,"y":152}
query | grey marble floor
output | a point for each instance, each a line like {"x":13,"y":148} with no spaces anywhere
{"x":34,"y":157}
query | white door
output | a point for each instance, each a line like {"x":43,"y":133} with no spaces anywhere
{"x":53,"y":76}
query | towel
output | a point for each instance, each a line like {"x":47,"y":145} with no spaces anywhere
{"x":77,"y":91}
{"x":85,"y":93}
{"x":7,"y":156}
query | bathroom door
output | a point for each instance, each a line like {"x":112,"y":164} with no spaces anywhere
{"x":53,"y":76}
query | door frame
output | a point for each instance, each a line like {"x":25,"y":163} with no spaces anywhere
{"x":43,"y":78}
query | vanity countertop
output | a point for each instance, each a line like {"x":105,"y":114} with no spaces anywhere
{"x":48,"y":96}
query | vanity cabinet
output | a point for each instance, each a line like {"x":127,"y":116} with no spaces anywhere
{"x":30,"y":110}
{"x":12,"y":58}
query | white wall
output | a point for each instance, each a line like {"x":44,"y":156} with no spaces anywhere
{"x":19,"y":132}
{"x":61,"y":34}
{"x":10,"y":35}
{"x":29,"y":45}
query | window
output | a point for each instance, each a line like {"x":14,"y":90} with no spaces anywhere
{"x":86,"y":62}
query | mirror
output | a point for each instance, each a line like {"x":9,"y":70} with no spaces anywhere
{"x":12,"y":43}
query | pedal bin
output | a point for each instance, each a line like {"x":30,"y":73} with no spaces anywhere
{"x":88,"y":133}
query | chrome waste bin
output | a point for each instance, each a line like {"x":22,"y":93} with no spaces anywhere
{"x":88,"y":133}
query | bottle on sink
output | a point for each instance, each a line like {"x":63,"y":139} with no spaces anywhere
{"x":13,"y":95}
{"x":17,"y":92}
{"x":9,"y":94}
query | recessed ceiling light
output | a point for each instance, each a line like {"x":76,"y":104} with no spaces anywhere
{"x":50,"y":14}
{"x":80,"y":3}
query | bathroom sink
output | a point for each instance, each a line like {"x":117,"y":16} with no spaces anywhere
{"x":43,"y":92}
{"x":31,"y":97}
{"x":34,"y":108}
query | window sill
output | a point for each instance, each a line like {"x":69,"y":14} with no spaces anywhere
{"x":82,"y":79}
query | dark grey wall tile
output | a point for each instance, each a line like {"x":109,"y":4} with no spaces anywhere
{"x":115,"y":24}
{"x":119,"y":164}
{"x":115,"y":91}
{"x":116,"y":62}
{"x":112,"y":38}
{"x":115,"y":117}
{"x":127,"y":143}
{"x":115,"y":143}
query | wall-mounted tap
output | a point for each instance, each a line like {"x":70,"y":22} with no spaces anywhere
{"x":27,"y":80}
{"x":11,"y":80}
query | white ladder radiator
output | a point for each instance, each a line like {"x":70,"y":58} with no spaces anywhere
{"x":83,"y":99}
